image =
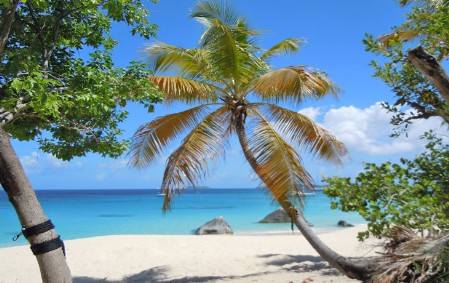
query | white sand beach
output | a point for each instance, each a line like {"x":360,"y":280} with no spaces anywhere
{"x":189,"y":258}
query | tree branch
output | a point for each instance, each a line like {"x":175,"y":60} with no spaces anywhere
{"x":431,"y":69}
{"x":39,"y":34}
{"x":7,"y":116}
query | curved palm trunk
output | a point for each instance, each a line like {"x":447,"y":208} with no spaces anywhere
{"x":343,"y":264}
{"x":53,"y":266}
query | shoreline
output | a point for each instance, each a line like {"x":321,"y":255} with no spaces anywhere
{"x":268,"y":232}
{"x":193,"y":258}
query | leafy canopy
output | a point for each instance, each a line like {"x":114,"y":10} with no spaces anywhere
{"x":70,"y":104}
{"x":414,"y":193}
{"x":220,"y":77}
{"x":427,"y":25}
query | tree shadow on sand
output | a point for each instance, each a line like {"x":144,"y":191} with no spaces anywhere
{"x":153,"y":275}
{"x":159,"y":275}
{"x":301,"y":263}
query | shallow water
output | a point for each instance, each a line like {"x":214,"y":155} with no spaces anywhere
{"x":88,"y":213}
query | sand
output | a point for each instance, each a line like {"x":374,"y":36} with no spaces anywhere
{"x":189,"y":258}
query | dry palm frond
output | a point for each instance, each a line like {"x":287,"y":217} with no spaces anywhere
{"x":151,"y":138}
{"x":305,"y":133}
{"x":278,"y":164}
{"x":293,"y":84}
{"x":403,"y":33}
{"x":410,"y":258}
{"x":189,"y":163}
{"x":184,"y":89}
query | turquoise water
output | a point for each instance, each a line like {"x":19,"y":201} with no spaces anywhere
{"x":88,"y":213}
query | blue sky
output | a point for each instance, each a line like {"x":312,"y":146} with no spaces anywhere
{"x":333,"y":31}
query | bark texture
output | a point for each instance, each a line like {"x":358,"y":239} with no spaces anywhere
{"x":431,"y":69}
{"x":7,"y":19}
{"x":351,"y":269}
{"x":53,"y":266}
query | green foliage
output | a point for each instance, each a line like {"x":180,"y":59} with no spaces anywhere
{"x":413,"y":193}
{"x":71,"y":105}
{"x":427,"y":25}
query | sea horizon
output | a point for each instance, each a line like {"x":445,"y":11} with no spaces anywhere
{"x":83,"y":213}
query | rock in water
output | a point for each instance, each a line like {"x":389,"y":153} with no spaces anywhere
{"x":343,"y":223}
{"x":215,"y":226}
{"x":277,"y":216}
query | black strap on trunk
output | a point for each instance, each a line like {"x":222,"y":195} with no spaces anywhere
{"x":48,"y":246}
{"x":35,"y":230}
{"x":43,"y":247}
{"x":38,"y":229}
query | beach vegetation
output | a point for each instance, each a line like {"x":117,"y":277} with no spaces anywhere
{"x":233,"y":90}
{"x":413,"y":193}
{"x":406,"y":203}
{"x":70,"y":104}
{"x":413,"y":57}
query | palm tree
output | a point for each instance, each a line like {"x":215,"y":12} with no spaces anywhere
{"x":434,"y":3}
{"x":221,"y":77}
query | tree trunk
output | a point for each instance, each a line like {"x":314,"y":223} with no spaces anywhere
{"x":431,"y":69}
{"x":8,"y":18}
{"x":53,"y":266}
{"x":349,"y":268}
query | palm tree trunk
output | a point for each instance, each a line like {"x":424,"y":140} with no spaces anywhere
{"x":52,"y":264}
{"x":343,"y":264}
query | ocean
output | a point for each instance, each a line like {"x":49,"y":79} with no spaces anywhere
{"x":89,"y":213}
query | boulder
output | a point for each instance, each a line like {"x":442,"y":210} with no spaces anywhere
{"x":215,"y":226}
{"x":343,"y":223}
{"x":279,"y":216}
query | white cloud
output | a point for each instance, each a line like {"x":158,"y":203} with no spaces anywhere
{"x":102,"y":176}
{"x":31,"y":163}
{"x":311,"y":112}
{"x":115,"y":165}
{"x":36,"y":164}
{"x":367,"y":130}
{"x":55,"y":162}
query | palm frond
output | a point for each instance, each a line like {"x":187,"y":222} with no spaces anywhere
{"x":287,"y":46}
{"x":151,"y":138}
{"x":190,"y":162}
{"x":230,"y":52}
{"x":207,"y":11}
{"x":293,"y":84}
{"x":435,"y":3}
{"x":185,"y":90}
{"x":305,"y":132}
{"x":221,"y":44}
{"x":165,"y":57}
{"x":278,"y":164}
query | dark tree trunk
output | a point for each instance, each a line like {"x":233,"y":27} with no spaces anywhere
{"x":350,"y":268}
{"x":431,"y":69}
{"x":52,"y":265}
{"x":7,"y":20}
